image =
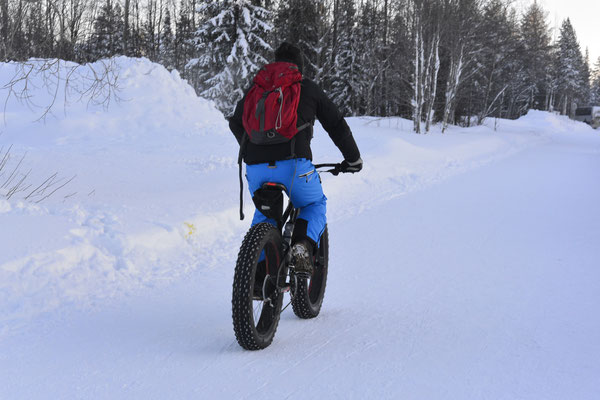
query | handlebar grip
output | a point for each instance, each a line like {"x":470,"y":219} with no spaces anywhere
{"x":335,"y":171}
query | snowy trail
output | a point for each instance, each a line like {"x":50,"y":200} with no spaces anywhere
{"x":485,"y":285}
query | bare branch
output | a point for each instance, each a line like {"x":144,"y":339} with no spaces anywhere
{"x":94,"y":84}
{"x":13,"y":174}
{"x":55,"y":190}
{"x":48,"y":181}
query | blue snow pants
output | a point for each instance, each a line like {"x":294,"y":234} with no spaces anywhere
{"x":304,"y":189}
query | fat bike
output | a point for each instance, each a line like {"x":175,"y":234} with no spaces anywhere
{"x":264,"y":274}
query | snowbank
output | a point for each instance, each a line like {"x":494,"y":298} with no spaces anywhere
{"x":154,"y":181}
{"x":140,"y":162}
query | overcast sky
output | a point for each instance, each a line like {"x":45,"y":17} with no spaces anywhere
{"x":585,"y":17}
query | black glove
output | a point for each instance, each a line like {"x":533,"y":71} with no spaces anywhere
{"x":351,"y":166}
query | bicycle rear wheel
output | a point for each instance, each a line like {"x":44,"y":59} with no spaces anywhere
{"x":309,"y":293}
{"x":256,"y":300}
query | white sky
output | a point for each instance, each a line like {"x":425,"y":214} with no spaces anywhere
{"x":585,"y":17}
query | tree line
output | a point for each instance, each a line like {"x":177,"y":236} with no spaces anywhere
{"x":434,"y":61}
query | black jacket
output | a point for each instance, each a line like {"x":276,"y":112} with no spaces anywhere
{"x":313,"y":104}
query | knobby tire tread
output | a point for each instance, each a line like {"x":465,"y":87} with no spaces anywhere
{"x":242,"y":307}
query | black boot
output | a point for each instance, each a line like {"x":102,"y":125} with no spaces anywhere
{"x":302,"y":259}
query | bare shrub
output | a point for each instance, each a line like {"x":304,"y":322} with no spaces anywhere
{"x":15,"y":182}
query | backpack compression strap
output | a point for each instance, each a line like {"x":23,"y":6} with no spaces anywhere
{"x":260,"y":110}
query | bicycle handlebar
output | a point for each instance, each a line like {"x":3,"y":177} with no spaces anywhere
{"x":335,"y":168}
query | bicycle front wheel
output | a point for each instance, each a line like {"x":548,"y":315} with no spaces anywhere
{"x":257,"y":300}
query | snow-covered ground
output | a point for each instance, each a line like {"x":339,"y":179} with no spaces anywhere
{"x":463,"y":265}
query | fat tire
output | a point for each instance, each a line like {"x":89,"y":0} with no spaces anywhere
{"x":308,"y":296}
{"x":248,"y":333}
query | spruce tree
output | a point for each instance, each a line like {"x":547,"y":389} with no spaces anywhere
{"x":167,"y":43}
{"x":584,"y":83}
{"x":183,"y":46}
{"x":231,"y":47}
{"x":36,"y":32}
{"x":372,"y":58}
{"x":345,"y":88}
{"x":302,"y":22}
{"x":497,"y":70}
{"x":107,"y":39}
{"x":460,"y":47}
{"x":536,"y":55}
{"x":568,"y":68}
{"x":595,"y":89}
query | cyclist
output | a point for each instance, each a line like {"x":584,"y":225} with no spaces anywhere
{"x":291,"y":163}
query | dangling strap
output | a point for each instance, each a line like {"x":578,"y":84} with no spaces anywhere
{"x":292,"y":148}
{"x":293,"y":141}
{"x":240,"y":160}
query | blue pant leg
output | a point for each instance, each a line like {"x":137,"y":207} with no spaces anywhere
{"x":307,"y":194}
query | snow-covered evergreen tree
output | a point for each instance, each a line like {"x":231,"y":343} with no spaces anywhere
{"x":302,"y":22}
{"x":498,"y":71}
{"x":345,"y":88}
{"x":536,"y":56}
{"x":460,"y":41}
{"x":585,"y":76}
{"x":183,"y":46}
{"x":36,"y":32}
{"x":568,"y":69}
{"x":107,"y":39}
{"x":595,"y":89}
{"x":231,"y":46}
{"x":374,"y":58}
{"x":167,"y":43}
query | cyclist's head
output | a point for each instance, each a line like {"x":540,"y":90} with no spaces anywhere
{"x":290,"y":53}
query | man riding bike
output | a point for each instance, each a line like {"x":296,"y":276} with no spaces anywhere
{"x":290,"y":162}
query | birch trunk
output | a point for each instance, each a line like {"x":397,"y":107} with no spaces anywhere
{"x":456,"y":69}
{"x":126,"y":28}
{"x":435,"y":50}
{"x":417,"y":101}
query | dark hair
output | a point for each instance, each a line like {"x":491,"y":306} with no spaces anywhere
{"x":290,"y":53}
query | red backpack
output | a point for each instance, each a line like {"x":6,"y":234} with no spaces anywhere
{"x":271,"y":110}
{"x":271,"y":106}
